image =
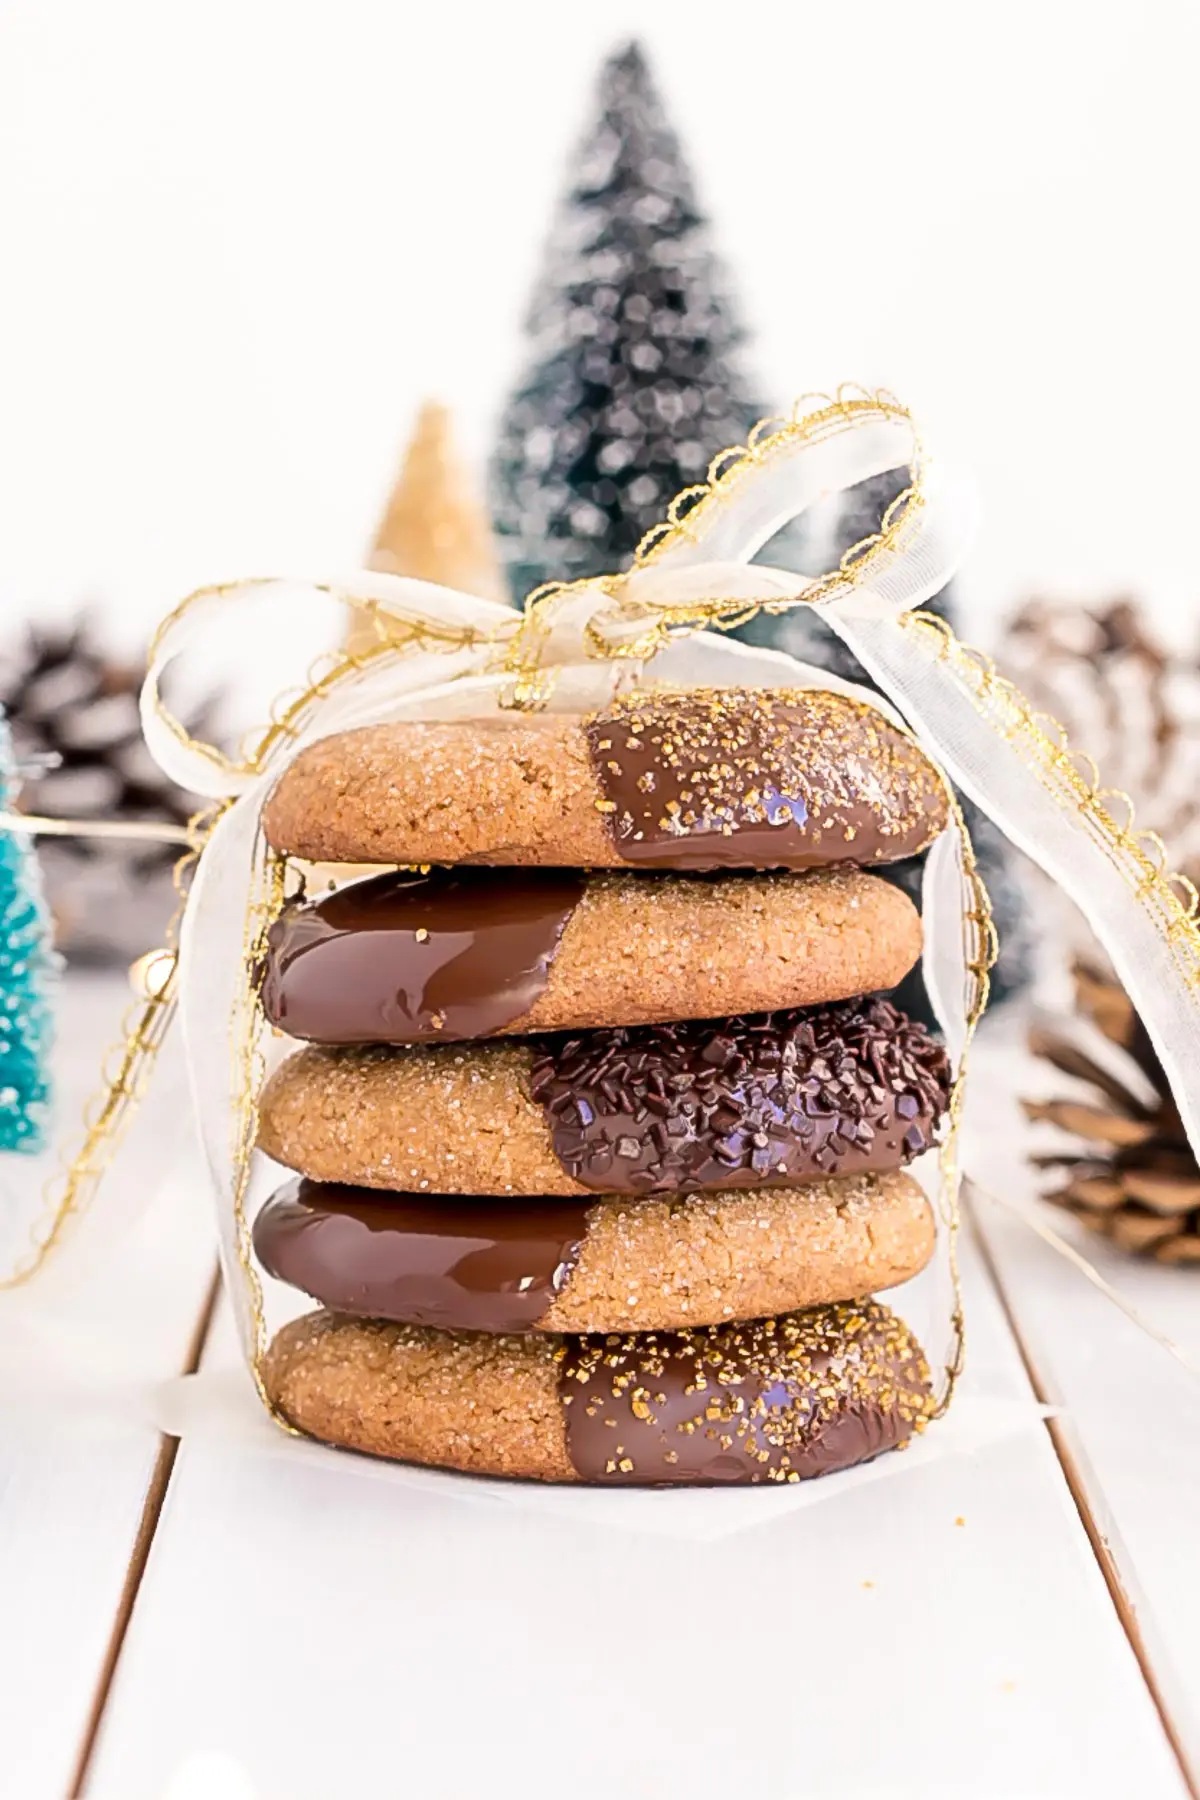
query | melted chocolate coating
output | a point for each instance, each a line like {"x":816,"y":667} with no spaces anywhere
{"x":847,"y":1089}
{"x":408,"y":958}
{"x":775,"y":1400}
{"x":711,"y":778}
{"x":466,"y":1264}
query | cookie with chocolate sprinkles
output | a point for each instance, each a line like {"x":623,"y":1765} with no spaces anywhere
{"x":701,"y":778}
{"x":793,"y":1096}
{"x":779,"y":1400}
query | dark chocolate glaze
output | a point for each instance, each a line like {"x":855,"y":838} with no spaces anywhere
{"x":712,"y":778}
{"x":412,"y":958}
{"x":846,"y":1089}
{"x":775,"y":1400}
{"x":464,"y":1264}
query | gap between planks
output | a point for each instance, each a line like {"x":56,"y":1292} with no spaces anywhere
{"x":1122,"y":1604}
{"x":156,"y":1493}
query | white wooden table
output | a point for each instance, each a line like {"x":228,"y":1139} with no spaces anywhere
{"x":219,"y":1619}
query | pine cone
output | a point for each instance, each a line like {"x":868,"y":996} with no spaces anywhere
{"x":1137,"y":1182}
{"x":1124,"y":697}
{"x":73,"y":709}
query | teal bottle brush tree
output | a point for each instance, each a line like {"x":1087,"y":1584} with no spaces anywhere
{"x":28,"y":969}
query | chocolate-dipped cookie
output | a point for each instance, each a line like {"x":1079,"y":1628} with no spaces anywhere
{"x":851,"y":1087}
{"x":777,"y":1401}
{"x":469,"y":953}
{"x":696,"y":779}
{"x":504,"y":1264}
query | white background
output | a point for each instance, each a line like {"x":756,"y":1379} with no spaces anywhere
{"x":242,"y":239}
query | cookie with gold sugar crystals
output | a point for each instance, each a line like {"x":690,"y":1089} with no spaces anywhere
{"x":506,"y":1264}
{"x":776,"y":1400}
{"x":463,"y":953}
{"x":704,"y":778}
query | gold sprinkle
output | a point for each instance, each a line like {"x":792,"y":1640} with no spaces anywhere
{"x":421,"y":934}
{"x":733,"y":750}
{"x":813,"y":1364}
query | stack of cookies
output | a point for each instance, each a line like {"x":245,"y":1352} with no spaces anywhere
{"x":600,"y":1127}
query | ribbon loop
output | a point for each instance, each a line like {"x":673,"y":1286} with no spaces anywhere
{"x":412,"y":618}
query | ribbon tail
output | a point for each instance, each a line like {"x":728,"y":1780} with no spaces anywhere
{"x":992,"y":745}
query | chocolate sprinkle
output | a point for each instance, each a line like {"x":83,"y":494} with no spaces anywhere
{"x":774,"y":1400}
{"x":710,"y":778}
{"x":850,"y":1088}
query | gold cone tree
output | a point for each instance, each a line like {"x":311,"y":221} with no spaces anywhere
{"x":435,"y":527}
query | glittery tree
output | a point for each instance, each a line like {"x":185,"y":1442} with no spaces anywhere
{"x":634,"y":381}
{"x":27,"y":966}
{"x":434,"y":526}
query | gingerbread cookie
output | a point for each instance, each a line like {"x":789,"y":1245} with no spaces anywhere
{"x":504,"y":1264}
{"x":697,"y":779}
{"x":774,"y":1401}
{"x":469,"y":953}
{"x":848,"y":1088}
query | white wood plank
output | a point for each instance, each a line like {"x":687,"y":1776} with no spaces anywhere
{"x":305,"y":1629}
{"x":73,"y":1476}
{"x":1133,"y":1413}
